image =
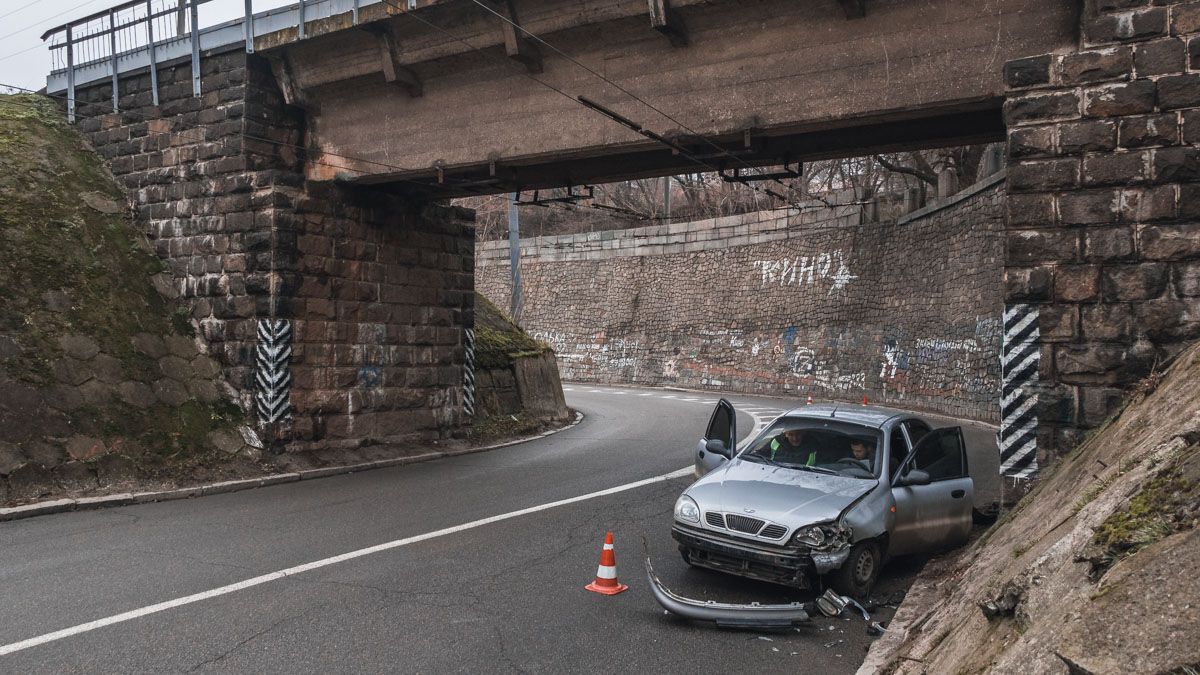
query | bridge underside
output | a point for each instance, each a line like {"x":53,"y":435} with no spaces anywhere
{"x":449,"y":99}
{"x":267,"y":194}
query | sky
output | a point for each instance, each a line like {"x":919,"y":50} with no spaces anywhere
{"x":24,"y":60}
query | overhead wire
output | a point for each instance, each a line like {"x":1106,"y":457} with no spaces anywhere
{"x":42,"y":21}
{"x":580,"y":100}
{"x":619,"y":88}
{"x":19,"y":9}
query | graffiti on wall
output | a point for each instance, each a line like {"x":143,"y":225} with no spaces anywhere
{"x":834,"y":311}
{"x":805,"y":270}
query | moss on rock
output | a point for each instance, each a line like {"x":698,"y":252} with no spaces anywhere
{"x":498,"y":340}
{"x":76,"y":287}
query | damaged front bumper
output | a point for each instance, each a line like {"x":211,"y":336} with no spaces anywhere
{"x":791,"y":566}
{"x":728,"y":615}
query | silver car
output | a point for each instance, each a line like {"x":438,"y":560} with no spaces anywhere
{"x":825,"y":490}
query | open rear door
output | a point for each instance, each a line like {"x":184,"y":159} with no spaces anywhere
{"x":722,"y":427}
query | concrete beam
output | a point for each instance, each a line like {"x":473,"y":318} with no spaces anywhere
{"x":666,"y":20}
{"x":394,"y":71}
{"x":518,"y":47}
{"x":293,"y":94}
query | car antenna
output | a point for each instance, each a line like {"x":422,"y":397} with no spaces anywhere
{"x":833,"y":413}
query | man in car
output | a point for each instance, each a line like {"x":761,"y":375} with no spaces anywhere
{"x":786,"y":447}
{"x":863,"y":451}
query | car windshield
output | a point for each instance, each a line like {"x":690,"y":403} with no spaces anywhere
{"x":820,"y":446}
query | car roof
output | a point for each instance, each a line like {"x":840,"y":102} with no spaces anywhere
{"x":866,"y":415}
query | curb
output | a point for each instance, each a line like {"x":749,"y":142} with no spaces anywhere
{"x":126,"y":498}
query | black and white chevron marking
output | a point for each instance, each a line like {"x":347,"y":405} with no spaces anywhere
{"x":1019,"y":361}
{"x":469,"y":375}
{"x":272,"y":357}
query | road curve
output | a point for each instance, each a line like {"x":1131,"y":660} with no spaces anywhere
{"x":502,"y":594}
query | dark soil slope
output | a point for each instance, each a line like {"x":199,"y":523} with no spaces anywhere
{"x":101,"y":379}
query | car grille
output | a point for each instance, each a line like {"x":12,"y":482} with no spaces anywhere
{"x":743,"y":524}
{"x":714,"y":519}
{"x":773,"y":531}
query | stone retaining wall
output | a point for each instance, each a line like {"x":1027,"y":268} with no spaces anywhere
{"x":808,"y":301}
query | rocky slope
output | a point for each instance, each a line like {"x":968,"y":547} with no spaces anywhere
{"x":102,"y":382}
{"x":1094,"y":571}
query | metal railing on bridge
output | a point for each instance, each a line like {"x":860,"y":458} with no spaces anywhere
{"x":144,"y":34}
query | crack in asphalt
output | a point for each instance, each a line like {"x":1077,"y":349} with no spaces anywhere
{"x":240,"y":644}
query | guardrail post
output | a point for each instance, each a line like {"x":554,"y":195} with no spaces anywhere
{"x":70,"y":76}
{"x":195,"y":47}
{"x":153,"y":54}
{"x":248,"y":26}
{"x":112,"y":56}
{"x":300,"y":5}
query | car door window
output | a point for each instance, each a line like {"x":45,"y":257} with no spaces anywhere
{"x":899,"y":449}
{"x":940,"y":454}
{"x":916,"y":430}
{"x":722,"y":425}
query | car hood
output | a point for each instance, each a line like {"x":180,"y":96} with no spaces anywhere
{"x":789,"y":497}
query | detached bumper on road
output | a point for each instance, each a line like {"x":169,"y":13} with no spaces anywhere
{"x":728,"y":615}
{"x":776,"y":565}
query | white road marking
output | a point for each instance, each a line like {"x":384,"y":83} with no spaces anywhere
{"x":317,"y":564}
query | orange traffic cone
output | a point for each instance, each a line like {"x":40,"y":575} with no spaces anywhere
{"x":606,"y":575}
{"x":810,"y":400}
{"x":865,"y":402}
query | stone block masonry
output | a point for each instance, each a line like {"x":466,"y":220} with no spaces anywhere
{"x":363,"y":297}
{"x":1102,"y":224}
{"x":813,"y":301}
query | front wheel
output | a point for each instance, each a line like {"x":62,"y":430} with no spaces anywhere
{"x":856,"y":577}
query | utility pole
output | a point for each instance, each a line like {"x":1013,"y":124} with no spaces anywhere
{"x":514,"y":255}
{"x":666,"y":199}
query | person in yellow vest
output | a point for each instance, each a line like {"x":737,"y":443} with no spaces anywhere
{"x":786,"y":447}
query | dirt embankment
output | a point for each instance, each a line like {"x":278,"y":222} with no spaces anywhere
{"x":1094,"y":571}
{"x":102,"y":382}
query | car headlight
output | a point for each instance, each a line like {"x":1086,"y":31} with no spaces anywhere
{"x":686,"y":509}
{"x":825,"y":537}
{"x":812,"y":536}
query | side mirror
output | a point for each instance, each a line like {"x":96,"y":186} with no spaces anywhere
{"x":914,"y":477}
{"x":717,"y":447}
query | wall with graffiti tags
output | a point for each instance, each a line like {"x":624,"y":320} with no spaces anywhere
{"x":815,"y":300}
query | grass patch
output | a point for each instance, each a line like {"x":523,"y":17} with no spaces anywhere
{"x":1167,"y":503}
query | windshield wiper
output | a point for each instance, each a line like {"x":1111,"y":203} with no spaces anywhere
{"x":764,"y":459}
{"x":814,"y":469}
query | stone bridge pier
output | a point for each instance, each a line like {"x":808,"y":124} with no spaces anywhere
{"x":1103,"y":241}
{"x":337,"y":312}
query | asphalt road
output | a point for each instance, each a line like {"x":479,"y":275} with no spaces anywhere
{"x":502,"y":595}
